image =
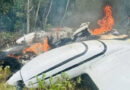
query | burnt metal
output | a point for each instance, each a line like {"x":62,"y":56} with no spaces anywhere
{"x":15,"y":50}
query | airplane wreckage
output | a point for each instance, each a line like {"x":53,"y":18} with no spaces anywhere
{"x":105,"y":62}
{"x":101,"y":54}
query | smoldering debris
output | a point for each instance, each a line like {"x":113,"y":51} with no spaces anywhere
{"x":15,"y":50}
{"x":35,"y":43}
{"x":53,"y":33}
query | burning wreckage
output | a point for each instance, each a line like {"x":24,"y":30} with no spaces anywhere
{"x":84,"y":51}
{"x":36,"y":43}
{"x":85,"y":56}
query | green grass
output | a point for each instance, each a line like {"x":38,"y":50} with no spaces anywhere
{"x":62,"y":82}
{"x":4,"y":74}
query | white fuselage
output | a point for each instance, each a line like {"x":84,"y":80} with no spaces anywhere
{"x":95,"y":58}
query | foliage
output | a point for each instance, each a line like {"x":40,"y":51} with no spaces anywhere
{"x":4,"y":74}
{"x":6,"y":5}
{"x":61,"y":82}
{"x":13,"y":14}
{"x":58,"y":83}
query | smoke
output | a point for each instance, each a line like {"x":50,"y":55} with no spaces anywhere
{"x":121,"y":13}
{"x":80,"y":11}
{"x":57,"y":11}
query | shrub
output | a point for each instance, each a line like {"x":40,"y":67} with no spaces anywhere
{"x":61,"y":82}
{"x":4,"y":74}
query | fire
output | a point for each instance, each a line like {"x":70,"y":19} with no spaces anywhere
{"x":38,"y":48}
{"x":35,"y":48}
{"x":106,"y":23}
{"x":14,"y":56}
{"x":45,"y":45}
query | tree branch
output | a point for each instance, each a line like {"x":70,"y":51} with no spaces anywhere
{"x":62,"y":20}
{"x":46,"y":18}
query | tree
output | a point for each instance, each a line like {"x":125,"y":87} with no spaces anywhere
{"x":46,"y":18}
{"x":36,"y":16}
{"x":29,"y":9}
{"x":6,"y":5}
{"x":62,"y":20}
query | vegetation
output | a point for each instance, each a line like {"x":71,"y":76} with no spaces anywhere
{"x":59,"y":83}
{"x":4,"y":74}
{"x":23,"y":15}
{"x":30,"y":15}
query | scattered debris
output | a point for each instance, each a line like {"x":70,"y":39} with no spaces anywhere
{"x":26,"y":38}
{"x":36,"y":43}
{"x":111,"y":36}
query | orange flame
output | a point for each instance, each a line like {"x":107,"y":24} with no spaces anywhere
{"x":14,"y":56}
{"x":38,"y":48}
{"x":45,"y":45}
{"x":35,"y":48}
{"x":106,"y":23}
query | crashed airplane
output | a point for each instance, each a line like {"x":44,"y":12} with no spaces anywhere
{"x":106,"y":62}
